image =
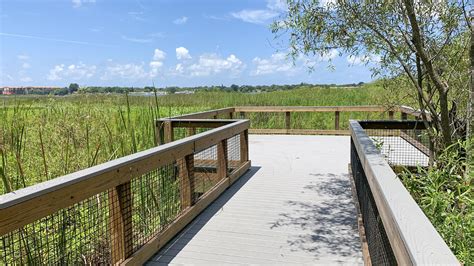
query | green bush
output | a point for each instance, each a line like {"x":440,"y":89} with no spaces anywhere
{"x":445,"y":194}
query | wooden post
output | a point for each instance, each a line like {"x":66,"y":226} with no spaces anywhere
{"x":186,"y":180}
{"x":390,"y":115}
{"x":222,"y":159}
{"x":215,"y":117}
{"x":159,"y":133}
{"x":231,"y":115}
{"x":191,"y":131}
{"x":242,"y":115}
{"x":404,"y":116}
{"x":168,"y":132}
{"x":287,"y":120}
{"x":336,"y":120}
{"x":244,"y":146}
{"x":120,"y":221}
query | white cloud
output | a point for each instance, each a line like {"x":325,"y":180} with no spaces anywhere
{"x":125,"y":71}
{"x":23,"y":57}
{"x":182,"y":53}
{"x":180,"y":21}
{"x":159,"y":55}
{"x":79,"y":3}
{"x":211,"y":64}
{"x":25,"y":65}
{"x":138,"y":40}
{"x":279,"y":5}
{"x":277,"y":63}
{"x":363,"y":59}
{"x":258,"y":16}
{"x":71,"y":72}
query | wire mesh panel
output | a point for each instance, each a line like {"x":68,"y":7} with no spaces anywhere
{"x":379,"y":246}
{"x":76,"y":235}
{"x":402,"y":147}
{"x":205,"y":170}
{"x":233,"y":153}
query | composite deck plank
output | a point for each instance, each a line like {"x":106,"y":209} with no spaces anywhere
{"x":293,"y":207}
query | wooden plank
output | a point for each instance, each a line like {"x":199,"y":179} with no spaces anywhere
{"x":287,"y":120}
{"x":403,"y":116}
{"x":336,"y":120}
{"x":222,"y":159}
{"x":120,"y":221}
{"x":412,"y":237}
{"x":299,"y":131}
{"x":390,"y":115}
{"x":237,"y":173}
{"x":160,"y":240}
{"x":244,"y":146}
{"x":280,"y":109}
{"x":186,"y":180}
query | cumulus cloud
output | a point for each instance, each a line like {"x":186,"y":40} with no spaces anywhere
{"x":71,"y":72}
{"x":262,"y":16}
{"x":159,"y":55}
{"x":258,"y":16}
{"x":23,"y":57}
{"x":182,"y":53}
{"x":180,"y":21}
{"x":125,"y":71}
{"x":276,"y":63}
{"x":79,"y":3}
{"x":211,"y":64}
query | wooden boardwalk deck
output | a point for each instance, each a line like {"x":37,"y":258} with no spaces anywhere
{"x":293,"y":207}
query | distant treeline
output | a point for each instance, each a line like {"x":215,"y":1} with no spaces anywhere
{"x":231,"y":88}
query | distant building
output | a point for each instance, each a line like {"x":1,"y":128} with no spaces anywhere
{"x":27,"y":90}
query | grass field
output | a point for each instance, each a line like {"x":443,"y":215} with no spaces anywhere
{"x":45,"y":137}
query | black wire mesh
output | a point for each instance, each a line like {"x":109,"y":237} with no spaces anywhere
{"x":233,"y":153}
{"x":76,"y":235}
{"x":406,"y":148}
{"x":379,"y":246}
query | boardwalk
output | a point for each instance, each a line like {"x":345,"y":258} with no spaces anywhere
{"x":293,"y":207}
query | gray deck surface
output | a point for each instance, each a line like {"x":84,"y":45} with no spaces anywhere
{"x":293,"y":207}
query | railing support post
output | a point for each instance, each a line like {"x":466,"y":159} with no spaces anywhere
{"x":120,"y":221}
{"x":287,"y":120}
{"x":244,"y":146}
{"x":336,"y":120}
{"x":159,"y":132}
{"x":222,"y":159}
{"x":231,"y":115}
{"x":191,"y":131}
{"x":186,"y":180}
{"x":403,"y":116}
{"x":242,"y":115}
{"x":390,"y":115}
{"x":168,"y":131}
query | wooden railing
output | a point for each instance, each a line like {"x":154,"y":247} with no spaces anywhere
{"x":287,"y":112}
{"x":114,"y":213}
{"x":396,"y":229}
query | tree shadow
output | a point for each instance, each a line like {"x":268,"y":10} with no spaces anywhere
{"x":326,"y":225}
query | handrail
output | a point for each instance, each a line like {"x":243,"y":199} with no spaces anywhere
{"x":412,"y":237}
{"x":28,"y":205}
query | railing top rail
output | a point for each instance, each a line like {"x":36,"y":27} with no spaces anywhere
{"x":204,"y":114}
{"x":392,"y":124}
{"x":413,"y":238}
{"x":25,"y":205}
{"x":355,"y":108}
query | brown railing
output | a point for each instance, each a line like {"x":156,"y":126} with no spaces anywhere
{"x":396,"y":231}
{"x":125,"y":210}
{"x":289,"y":119}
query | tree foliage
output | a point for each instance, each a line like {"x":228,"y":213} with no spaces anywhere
{"x":424,"y":43}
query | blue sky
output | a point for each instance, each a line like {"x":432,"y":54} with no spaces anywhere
{"x":170,"y":43}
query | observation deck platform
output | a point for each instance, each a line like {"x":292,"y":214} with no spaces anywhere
{"x":294,"y":206}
